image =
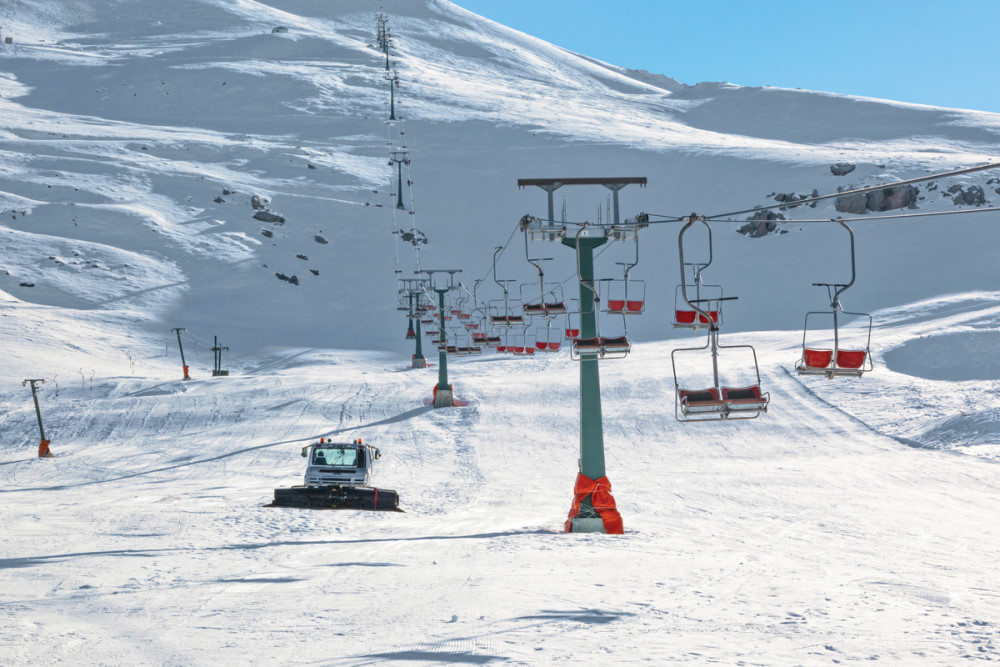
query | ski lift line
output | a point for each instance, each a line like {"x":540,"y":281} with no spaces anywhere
{"x":867,"y":218}
{"x":871,"y":188}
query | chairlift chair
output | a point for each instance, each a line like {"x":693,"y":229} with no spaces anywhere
{"x":604,"y":347}
{"x":708,"y":297}
{"x":838,"y":359}
{"x":720,"y":400}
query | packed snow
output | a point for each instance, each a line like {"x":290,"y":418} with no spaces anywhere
{"x":855,"y":520}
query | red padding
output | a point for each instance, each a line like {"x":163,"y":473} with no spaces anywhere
{"x":542,"y":345}
{"x":599,"y":491}
{"x":43,"y":449}
{"x":851,"y":358}
{"x":817,"y":358}
{"x":553,"y":346}
{"x":616,"y":306}
{"x":714,"y":315}
{"x":700,"y":395}
{"x":186,"y":376}
{"x":740,"y":393}
{"x":572,"y":333}
{"x":684,"y":316}
{"x":633,"y":306}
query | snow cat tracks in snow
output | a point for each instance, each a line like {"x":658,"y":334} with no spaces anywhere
{"x":338,"y":477}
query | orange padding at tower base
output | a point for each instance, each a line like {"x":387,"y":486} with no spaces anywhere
{"x":599,"y":491}
{"x":43,"y":449}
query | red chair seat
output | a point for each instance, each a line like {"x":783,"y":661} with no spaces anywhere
{"x":714,"y":314}
{"x":633,"y":306}
{"x":572,"y":333}
{"x":616,"y":306}
{"x":553,"y":346}
{"x":702,"y":396}
{"x":587,"y":343}
{"x":741,"y":393}
{"x":817,"y":358}
{"x":851,"y":358}
{"x":542,"y":345}
{"x":684,"y":316}
{"x":620,"y":341}
{"x":501,"y":348}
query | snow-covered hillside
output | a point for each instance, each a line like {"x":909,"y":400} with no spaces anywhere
{"x":125,"y":124}
{"x":138,"y":140}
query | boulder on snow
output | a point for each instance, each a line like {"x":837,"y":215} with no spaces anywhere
{"x":266,"y":215}
{"x":258,"y":203}
{"x":761,"y":224}
{"x":974,"y":196}
{"x":886,"y":199}
{"x":842,"y":168}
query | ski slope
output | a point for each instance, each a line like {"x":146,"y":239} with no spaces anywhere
{"x":854,"y":521}
{"x":822,"y":531}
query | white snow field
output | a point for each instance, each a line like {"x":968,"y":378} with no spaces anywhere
{"x":855,"y":521}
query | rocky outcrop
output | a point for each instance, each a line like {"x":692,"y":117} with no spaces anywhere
{"x":267,"y":215}
{"x":842,"y":168}
{"x":761,"y":224}
{"x":971,"y":196}
{"x":886,"y":199}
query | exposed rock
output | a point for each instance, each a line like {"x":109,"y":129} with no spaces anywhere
{"x":267,"y":232}
{"x":842,"y":168}
{"x":219,"y":200}
{"x":414,"y":237}
{"x":889,"y":199}
{"x":266,"y":215}
{"x":974,"y":196}
{"x":761,"y":224}
{"x":288,"y":279}
{"x":315,"y":272}
{"x":258,"y":202}
{"x":27,"y":284}
{"x":226,"y":192}
{"x":319,"y":239}
{"x":303,"y":257}
{"x":886,"y":199}
{"x":279,"y":29}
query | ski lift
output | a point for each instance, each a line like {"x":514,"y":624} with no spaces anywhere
{"x":604,"y":347}
{"x":718,"y":401}
{"x":572,"y":325}
{"x":542,"y":230}
{"x":709,"y":297}
{"x":836,"y":360}
{"x":504,"y":310}
{"x":552,"y":343}
{"x":524,"y":344}
{"x":626,"y":296}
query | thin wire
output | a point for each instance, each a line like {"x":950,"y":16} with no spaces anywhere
{"x":871,"y":188}
{"x":877,"y":217}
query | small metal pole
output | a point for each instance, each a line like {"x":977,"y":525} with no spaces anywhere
{"x":181,"y":347}
{"x":217,"y":351}
{"x":43,"y":446}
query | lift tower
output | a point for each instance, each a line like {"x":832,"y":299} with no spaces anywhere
{"x":444,"y":394}
{"x":593,"y":507}
{"x":414,"y":290}
{"x":399,"y":158}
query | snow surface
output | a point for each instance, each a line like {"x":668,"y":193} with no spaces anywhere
{"x":854,"y":521}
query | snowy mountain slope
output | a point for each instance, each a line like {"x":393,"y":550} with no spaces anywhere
{"x":129,"y":121}
{"x":854,"y":521}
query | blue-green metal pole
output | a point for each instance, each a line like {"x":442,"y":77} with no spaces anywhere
{"x":442,"y":346}
{"x":591,"y":419}
{"x":399,"y":186}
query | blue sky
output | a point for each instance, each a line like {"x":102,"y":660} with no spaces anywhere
{"x":919,"y":51}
